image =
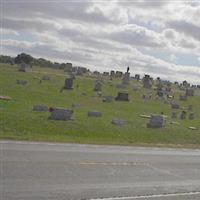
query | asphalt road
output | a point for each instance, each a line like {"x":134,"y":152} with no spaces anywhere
{"x":38,"y":171}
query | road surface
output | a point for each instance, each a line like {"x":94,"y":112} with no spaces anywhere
{"x":51,"y":171}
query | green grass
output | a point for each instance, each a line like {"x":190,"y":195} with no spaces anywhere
{"x":19,"y":122}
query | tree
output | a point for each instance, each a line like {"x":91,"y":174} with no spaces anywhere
{"x":23,"y":58}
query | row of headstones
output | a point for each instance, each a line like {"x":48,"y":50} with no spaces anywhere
{"x":183,"y":115}
{"x":66,"y":114}
{"x":24,"y":82}
{"x":156,"y":121}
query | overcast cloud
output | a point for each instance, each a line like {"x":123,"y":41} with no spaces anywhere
{"x":161,"y":38}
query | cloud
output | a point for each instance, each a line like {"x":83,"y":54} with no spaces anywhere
{"x":107,"y":35}
{"x":186,"y":28}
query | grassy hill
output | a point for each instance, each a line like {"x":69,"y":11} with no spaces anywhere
{"x":19,"y":122}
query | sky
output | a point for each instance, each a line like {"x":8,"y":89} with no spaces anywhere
{"x":156,"y":37}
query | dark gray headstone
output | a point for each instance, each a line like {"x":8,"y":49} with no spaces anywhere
{"x":61,"y":114}
{"x":118,"y":122}
{"x":98,"y":87}
{"x":68,"y":83}
{"x":122,"y":96}
{"x":21,"y":82}
{"x":156,"y":121}
{"x":108,"y":99}
{"x":94,"y":114}
{"x":175,"y":105}
{"x":183,"y":115}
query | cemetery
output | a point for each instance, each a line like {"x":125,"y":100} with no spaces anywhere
{"x":116,"y":107}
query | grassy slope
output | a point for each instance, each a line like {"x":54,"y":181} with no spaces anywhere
{"x":18,"y":121}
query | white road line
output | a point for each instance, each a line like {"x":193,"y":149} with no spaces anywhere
{"x":137,"y":163}
{"x":148,"y":196}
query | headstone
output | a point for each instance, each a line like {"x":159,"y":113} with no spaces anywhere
{"x":147,"y":82}
{"x":41,"y":108}
{"x":45,"y":78}
{"x":183,"y":115}
{"x":182,"y":97}
{"x":119,"y":74}
{"x":174,"y":115}
{"x":61,"y":114}
{"x":191,"y":116}
{"x":21,"y":82}
{"x":175,"y":105}
{"x":94,"y":114}
{"x":98,"y":86}
{"x":137,"y":77}
{"x":156,"y":121}
{"x":118,"y":122}
{"x":68,"y":67}
{"x":122,"y":96}
{"x":189,"y":92}
{"x":22,"y":67}
{"x":108,"y":99}
{"x":126,"y":78}
{"x":112,"y":73}
{"x":68,"y":83}
{"x":105,"y":73}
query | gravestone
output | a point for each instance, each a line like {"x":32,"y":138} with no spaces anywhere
{"x":147,"y":82}
{"x":21,"y":82}
{"x":119,"y":74}
{"x":94,"y":114}
{"x":191,"y":116}
{"x":174,"y":115}
{"x":112,"y":73}
{"x":68,"y":83}
{"x":41,"y":108}
{"x":189,"y":92}
{"x":156,"y":121}
{"x":126,"y":78}
{"x":137,"y":77}
{"x":98,"y":86}
{"x":118,"y":122}
{"x":182,"y":97}
{"x":22,"y":67}
{"x":183,"y":115}
{"x":122,"y":96}
{"x":61,"y":114}
{"x":108,"y":99}
{"x":45,"y":78}
{"x":175,"y":105}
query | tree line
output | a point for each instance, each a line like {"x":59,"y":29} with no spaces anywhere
{"x":31,"y":61}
